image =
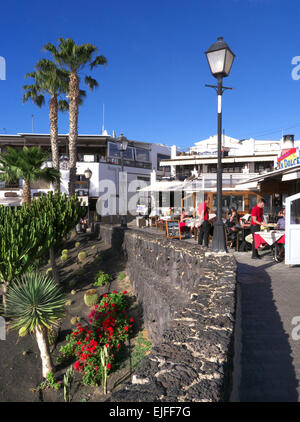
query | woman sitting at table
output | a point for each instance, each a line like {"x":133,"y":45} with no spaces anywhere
{"x":184,"y":218}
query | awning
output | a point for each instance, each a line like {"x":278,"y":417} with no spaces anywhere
{"x":189,"y":186}
{"x":246,"y":186}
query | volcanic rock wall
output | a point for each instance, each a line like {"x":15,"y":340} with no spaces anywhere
{"x":188,"y":299}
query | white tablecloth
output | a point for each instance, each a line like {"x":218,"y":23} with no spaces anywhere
{"x":272,"y":236}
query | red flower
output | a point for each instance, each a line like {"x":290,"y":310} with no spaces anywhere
{"x":108,"y":366}
{"x":124,"y":293}
{"x":131,"y":320}
{"x":126,"y":328}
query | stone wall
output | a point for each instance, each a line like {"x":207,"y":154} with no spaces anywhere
{"x":188,"y":297}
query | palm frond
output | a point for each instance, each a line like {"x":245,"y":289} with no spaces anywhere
{"x":91,"y":82}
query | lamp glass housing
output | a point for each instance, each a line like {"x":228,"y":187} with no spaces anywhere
{"x":220,"y":58}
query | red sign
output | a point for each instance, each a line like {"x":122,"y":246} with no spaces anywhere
{"x":286,"y":154}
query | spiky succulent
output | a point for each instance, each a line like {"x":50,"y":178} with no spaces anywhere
{"x":34,"y":301}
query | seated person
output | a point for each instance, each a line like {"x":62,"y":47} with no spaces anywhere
{"x":184,"y":219}
{"x":281,"y":221}
{"x":232,"y":217}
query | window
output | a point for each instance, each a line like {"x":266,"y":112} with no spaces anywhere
{"x":295,"y":212}
{"x":142,"y":154}
{"x":228,"y":201}
{"x":252,"y":201}
{"x":113,"y":151}
{"x":263,"y":166}
{"x":161,"y":157}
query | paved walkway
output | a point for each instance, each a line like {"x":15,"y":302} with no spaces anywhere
{"x":270,"y":358}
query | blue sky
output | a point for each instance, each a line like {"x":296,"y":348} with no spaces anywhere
{"x":153,"y":86}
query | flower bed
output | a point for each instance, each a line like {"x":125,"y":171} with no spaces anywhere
{"x":96,"y":345}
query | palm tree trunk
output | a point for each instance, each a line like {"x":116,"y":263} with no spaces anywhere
{"x":53,"y":109}
{"x":55,"y":272}
{"x":27,"y":192}
{"x":43,"y":344}
{"x":73,"y":129}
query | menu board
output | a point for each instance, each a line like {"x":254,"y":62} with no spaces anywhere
{"x":173,"y":229}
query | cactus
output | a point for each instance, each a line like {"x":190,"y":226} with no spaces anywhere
{"x":80,"y":271}
{"x":72,"y":283}
{"x":82,"y":256}
{"x":49,"y":272}
{"x":68,"y":379}
{"x":68,"y":302}
{"x":77,"y":244}
{"x":91,"y":297}
{"x":64,"y":252}
{"x":74,"y":320}
{"x":64,"y":258}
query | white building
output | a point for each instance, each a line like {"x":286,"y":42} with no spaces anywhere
{"x":241,"y":160}
{"x":100,"y":154}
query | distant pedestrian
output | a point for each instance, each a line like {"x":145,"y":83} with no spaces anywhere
{"x":257,"y":220}
{"x":204,"y":229}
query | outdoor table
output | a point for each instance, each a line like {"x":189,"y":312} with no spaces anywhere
{"x":271,"y":238}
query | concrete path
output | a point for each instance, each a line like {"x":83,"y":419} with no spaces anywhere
{"x":269,"y":359}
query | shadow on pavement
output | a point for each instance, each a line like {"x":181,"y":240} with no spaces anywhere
{"x":266,"y":367}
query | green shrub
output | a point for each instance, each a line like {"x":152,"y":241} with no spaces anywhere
{"x":82,"y":256}
{"x":122,"y":276}
{"x":101,"y":279}
{"x":91,"y":297}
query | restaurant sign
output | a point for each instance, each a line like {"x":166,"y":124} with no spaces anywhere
{"x":289,"y":159}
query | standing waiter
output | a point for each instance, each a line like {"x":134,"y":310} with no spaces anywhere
{"x":257,"y":220}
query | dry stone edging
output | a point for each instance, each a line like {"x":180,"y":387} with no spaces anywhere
{"x":189,"y":299}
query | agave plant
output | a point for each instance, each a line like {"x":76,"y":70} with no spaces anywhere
{"x":34,"y":303}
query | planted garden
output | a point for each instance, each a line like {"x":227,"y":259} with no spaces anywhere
{"x":73,"y":338}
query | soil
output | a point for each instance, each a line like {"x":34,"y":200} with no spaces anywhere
{"x":20,"y":364}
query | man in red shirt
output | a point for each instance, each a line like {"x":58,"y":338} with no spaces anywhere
{"x":257,"y":220}
{"x":203,"y":214}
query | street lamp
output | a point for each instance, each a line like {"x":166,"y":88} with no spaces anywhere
{"x":122,"y":146}
{"x":88,"y":174}
{"x":220,"y":59}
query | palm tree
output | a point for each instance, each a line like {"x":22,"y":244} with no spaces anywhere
{"x":26,"y":164}
{"x":34,"y":303}
{"x":74,"y":58}
{"x":48,"y":79}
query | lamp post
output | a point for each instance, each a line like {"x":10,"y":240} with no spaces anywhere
{"x":88,"y":174}
{"x":122,"y":147}
{"x":220,"y":59}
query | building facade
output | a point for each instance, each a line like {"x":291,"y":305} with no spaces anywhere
{"x":100,"y":154}
{"x":241,"y":160}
